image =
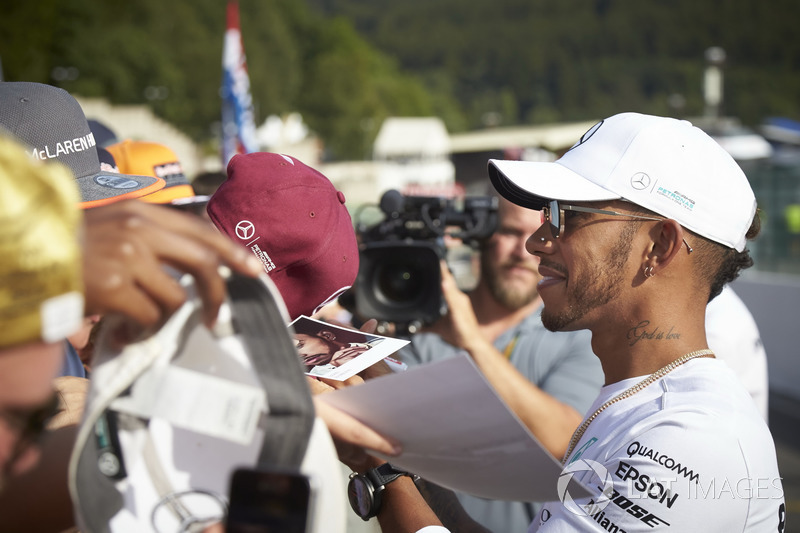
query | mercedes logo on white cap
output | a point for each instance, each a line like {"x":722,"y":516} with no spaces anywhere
{"x":245,"y":230}
{"x":640,"y":181}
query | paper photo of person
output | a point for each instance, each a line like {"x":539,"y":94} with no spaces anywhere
{"x":338,"y":353}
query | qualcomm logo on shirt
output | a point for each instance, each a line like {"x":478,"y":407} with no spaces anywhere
{"x":636,"y":448}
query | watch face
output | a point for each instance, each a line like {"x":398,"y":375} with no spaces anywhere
{"x":359,"y":492}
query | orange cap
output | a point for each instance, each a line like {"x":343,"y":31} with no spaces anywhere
{"x":153,"y":159}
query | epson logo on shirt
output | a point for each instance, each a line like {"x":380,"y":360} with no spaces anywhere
{"x":69,"y":146}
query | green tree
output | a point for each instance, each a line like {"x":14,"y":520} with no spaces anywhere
{"x":169,"y":55}
{"x":583,"y":59}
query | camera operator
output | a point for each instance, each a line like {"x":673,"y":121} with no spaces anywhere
{"x":498,"y":324}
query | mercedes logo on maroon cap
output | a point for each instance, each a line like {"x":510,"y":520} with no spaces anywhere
{"x":245,"y":230}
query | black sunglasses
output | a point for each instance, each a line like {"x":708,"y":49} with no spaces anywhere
{"x":29,"y":424}
{"x":553,"y":213}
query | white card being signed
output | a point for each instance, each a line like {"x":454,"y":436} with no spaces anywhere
{"x":338,"y":353}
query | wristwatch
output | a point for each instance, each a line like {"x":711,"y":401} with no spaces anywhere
{"x":364,"y":490}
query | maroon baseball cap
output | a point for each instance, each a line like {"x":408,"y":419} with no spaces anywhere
{"x":295,"y":221}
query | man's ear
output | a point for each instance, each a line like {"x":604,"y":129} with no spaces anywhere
{"x":667,"y":244}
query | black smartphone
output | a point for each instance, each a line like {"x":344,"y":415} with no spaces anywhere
{"x":269,"y":501}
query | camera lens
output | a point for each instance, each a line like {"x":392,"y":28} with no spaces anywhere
{"x":401,"y":283}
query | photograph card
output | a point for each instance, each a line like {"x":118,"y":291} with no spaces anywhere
{"x":334,"y":352}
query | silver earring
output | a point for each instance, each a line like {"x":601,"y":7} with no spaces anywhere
{"x":648,"y":272}
{"x":541,"y":239}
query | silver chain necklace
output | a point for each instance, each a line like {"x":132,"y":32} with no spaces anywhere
{"x":658,"y":374}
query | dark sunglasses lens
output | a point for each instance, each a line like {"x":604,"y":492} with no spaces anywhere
{"x":555,"y":218}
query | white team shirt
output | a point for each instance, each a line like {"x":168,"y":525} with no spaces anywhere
{"x":689,"y":452}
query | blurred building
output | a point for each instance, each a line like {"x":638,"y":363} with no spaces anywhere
{"x":412,"y":155}
{"x":470,"y":151}
{"x":289,"y":135}
{"x":137,"y":122}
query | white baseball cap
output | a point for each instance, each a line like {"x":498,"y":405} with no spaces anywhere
{"x":662,"y":164}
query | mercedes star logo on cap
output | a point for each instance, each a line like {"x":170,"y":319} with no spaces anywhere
{"x":245,"y":230}
{"x":640,"y":181}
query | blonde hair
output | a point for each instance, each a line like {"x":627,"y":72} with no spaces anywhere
{"x":41,"y":288}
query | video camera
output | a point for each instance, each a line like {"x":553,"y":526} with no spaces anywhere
{"x":399,"y":276}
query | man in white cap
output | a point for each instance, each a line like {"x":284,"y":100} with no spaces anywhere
{"x":646,"y":219}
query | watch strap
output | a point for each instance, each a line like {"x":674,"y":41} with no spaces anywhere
{"x":386,"y":473}
{"x":376,"y":480}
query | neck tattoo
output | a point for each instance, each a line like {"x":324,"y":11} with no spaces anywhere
{"x":627,"y":393}
{"x":642,"y":331}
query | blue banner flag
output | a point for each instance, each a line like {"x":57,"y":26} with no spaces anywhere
{"x":238,"y":125}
